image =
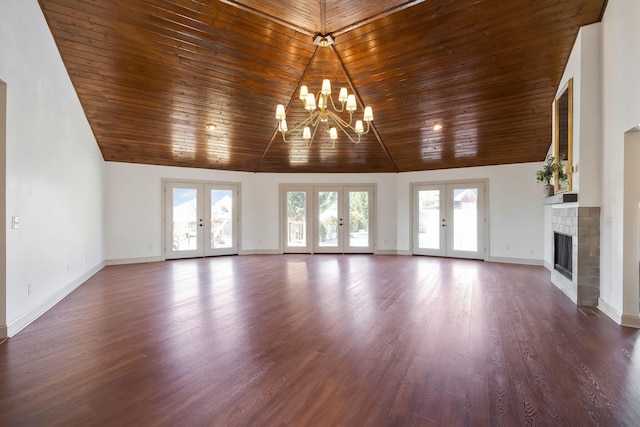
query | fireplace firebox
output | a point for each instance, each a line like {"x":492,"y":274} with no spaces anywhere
{"x":563,"y":254}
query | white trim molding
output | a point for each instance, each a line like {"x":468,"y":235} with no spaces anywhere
{"x":144,"y":260}
{"x":523,"y":261}
{"x":37,"y":311}
{"x":260,"y":252}
{"x":621,"y":319}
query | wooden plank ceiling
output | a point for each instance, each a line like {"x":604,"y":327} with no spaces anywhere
{"x":151,"y":74}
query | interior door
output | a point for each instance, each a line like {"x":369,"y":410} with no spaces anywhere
{"x":201,"y":219}
{"x":343,"y":218}
{"x":449,"y":220}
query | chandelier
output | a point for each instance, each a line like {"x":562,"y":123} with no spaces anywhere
{"x":323,"y":109}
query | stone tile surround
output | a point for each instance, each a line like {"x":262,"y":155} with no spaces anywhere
{"x":583,"y":225}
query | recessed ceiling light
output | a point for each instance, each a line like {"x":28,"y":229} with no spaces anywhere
{"x":437,"y":126}
{"x":210,"y":127}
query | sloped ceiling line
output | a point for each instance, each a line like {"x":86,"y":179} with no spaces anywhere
{"x":151,"y":73}
{"x":357,"y":94}
{"x":374,"y":18}
{"x":291,"y":98}
{"x":269,"y":17}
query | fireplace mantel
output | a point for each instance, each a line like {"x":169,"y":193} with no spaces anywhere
{"x":557,"y":199}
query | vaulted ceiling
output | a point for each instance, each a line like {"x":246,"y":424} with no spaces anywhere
{"x":151,"y":74}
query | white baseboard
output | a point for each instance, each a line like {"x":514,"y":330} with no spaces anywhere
{"x":525,"y":261}
{"x":260,"y":252}
{"x":391,"y":252}
{"x":630,"y":321}
{"x":548,"y":266}
{"x":619,"y":318}
{"x":144,"y":260}
{"x":31,"y":315}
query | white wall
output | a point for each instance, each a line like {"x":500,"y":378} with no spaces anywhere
{"x":55,"y":172}
{"x":516,"y":212}
{"x":134,"y":207}
{"x":620,"y":113}
{"x":584,"y":66}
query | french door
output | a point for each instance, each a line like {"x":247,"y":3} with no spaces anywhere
{"x":329,"y":219}
{"x":201,"y":219}
{"x":449,"y":220}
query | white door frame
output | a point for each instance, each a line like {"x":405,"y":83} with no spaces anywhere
{"x":312,"y":229}
{"x":206,"y":186}
{"x":483,"y":226}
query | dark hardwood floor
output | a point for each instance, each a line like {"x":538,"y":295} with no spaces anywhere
{"x":324,"y":340}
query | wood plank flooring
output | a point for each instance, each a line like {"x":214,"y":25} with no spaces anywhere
{"x":324,"y":340}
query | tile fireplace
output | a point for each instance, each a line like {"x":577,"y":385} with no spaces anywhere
{"x":576,"y":253}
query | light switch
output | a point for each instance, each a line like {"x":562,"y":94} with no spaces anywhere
{"x":15,"y":222}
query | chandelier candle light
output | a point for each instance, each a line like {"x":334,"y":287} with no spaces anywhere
{"x":322,"y":109}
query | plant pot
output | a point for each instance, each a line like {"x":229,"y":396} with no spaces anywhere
{"x":547,"y":190}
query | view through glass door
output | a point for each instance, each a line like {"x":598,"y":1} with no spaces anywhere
{"x":201,"y":219}
{"x":328,"y":219}
{"x":343,"y":219}
{"x":449,"y":220}
{"x":297,"y":219}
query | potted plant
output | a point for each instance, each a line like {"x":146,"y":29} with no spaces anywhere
{"x":546,"y":174}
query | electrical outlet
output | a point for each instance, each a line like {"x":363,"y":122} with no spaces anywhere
{"x":530,"y":251}
{"x":29,"y":288}
{"x":15,"y":222}
{"x":68,"y":269}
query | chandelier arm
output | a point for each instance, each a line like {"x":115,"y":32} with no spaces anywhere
{"x":349,"y":136}
{"x":340,"y":121}
{"x":313,"y":135}
{"x":336,"y":109}
{"x":300,"y":126}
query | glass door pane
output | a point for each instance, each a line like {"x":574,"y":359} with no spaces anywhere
{"x":221,"y":211}
{"x":221,"y":235}
{"x":465,"y":219}
{"x":429,"y":219}
{"x":429,"y":227}
{"x":359,"y":225}
{"x":328,"y":220}
{"x":185,"y":219}
{"x":358,"y":219}
{"x":296,"y":218}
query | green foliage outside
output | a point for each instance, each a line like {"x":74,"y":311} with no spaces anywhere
{"x":296,"y":205}
{"x":358,"y":206}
